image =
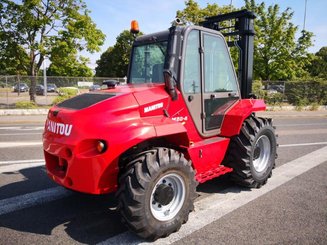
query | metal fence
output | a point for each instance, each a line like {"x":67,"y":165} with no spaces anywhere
{"x":298,"y":93}
{"x":15,"y":89}
{"x":274,"y":92}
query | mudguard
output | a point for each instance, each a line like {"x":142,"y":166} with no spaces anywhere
{"x":236,"y":115}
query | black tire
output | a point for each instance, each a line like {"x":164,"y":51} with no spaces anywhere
{"x":156,"y":192}
{"x":252,"y":153}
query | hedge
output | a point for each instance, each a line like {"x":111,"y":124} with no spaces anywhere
{"x":297,"y":93}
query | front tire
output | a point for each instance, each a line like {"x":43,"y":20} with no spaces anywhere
{"x":252,"y":153}
{"x":156,"y":192}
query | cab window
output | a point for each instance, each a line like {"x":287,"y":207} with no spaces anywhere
{"x":218,"y":70}
{"x":192,"y":75}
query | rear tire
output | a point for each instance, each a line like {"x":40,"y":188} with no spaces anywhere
{"x":156,"y":192}
{"x":252,"y":153}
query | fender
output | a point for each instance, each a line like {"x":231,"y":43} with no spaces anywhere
{"x":125,"y":135}
{"x":235,"y":116}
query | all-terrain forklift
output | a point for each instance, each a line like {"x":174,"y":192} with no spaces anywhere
{"x":183,"y":118}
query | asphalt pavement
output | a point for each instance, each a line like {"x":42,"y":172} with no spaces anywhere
{"x":290,"y":209}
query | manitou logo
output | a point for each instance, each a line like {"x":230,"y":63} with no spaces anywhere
{"x":153,"y":107}
{"x":59,"y":128}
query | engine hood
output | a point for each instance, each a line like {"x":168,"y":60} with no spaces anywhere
{"x":95,"y":111}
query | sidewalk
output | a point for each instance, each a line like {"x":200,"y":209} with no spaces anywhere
{"x":290,"y":114}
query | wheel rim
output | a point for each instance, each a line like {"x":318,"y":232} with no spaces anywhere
{"x":167,"y":197}
{"x":261,"y":154}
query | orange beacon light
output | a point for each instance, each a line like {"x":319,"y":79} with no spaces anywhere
{"x":135,"y":27}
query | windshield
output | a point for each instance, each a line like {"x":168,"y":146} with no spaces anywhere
{"x":147,"y":63}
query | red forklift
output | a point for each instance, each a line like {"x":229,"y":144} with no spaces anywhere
{"x":184,"y":117}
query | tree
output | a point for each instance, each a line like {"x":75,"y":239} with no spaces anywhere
{"x":105,"y":65}
{"x":114,"y":61}
{"x":13,"y":58}
{"x":195,"y":14}
{"x":65,"y":62}
{"x":318,"y":66}
{"x":39,"y":25}
{"x":277,"y":55}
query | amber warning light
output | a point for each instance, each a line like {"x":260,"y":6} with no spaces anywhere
{"x":135,"y":27}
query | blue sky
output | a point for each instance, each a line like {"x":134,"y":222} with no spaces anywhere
{"x":114,"y":16}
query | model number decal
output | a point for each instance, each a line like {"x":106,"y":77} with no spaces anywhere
{"x":153,"y":107}
{"x":180,"y":119}
{"x":59,"y":128}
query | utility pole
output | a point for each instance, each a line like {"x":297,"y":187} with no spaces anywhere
{"x":305,"y":14}
{"x":45,"y":79}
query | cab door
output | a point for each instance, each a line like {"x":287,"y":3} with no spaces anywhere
{"x":219,"y":82}
{"x":209,"y":83}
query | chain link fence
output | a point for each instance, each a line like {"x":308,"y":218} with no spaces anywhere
{"x":297,"y":93}
{"x":15,"y":89}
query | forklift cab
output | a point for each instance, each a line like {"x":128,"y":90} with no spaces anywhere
{"x":195,"y":60}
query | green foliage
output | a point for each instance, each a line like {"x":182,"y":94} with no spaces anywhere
{"x":25,"y":105}
{"x":64,"y":94}
{"x":271,"y":98}
{"x":13,"y":58}
{"x":314,"y":106}
{"x":67,"y":64}
{"x":274,"y":98}
{"x":114,"y":61}
{"x":318,"y":67}
{"x":278,"y":56}
{"x":195,"y":14}
{"x":40,"y":26}
{"x":257,"y":89}
{"x":304,"y":93}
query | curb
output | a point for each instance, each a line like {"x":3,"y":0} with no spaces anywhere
{"x":294,"y":108}
{"x":21,"y":112}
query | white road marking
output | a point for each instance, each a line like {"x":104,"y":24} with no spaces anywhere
{"x":19,"y":166}
{"x":301,"y":124}
{"x":32,"y":199}
{"x":19,"y":144}
{"x":19,"y":134}
{"x":304,"y":144}
{"x":23,"y":128}
{"x":206,"y":211}
{"x":21,"y":161}
{"x":218,"y":205}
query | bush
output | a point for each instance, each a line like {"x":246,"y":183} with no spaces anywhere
{"x":303,"y":93}
{"x":274,"y":98}
{"x":25,"y":105}
{"x":64,"y":94}
{"x":257,"y":89}
{"x":314,"y":107}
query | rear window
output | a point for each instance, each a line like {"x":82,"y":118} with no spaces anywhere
{"x":84,"y":100}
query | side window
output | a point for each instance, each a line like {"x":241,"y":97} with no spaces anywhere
{"x":192,"y":75}
{"x":218,"y":70}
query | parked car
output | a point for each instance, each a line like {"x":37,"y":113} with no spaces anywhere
{"x":95,"y":87}
{"x":21,"y":87}
{"x":39,"y":89}
{"x":51,"y":88}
